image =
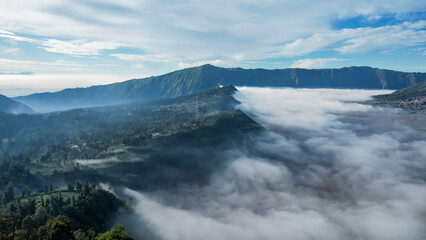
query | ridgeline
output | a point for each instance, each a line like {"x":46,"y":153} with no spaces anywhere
{"x":193,"y":80}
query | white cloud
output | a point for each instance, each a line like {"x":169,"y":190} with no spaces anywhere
{"x":217,"y":62}
{"x":360,"y":39}
{"x":79,"y":47}
{"x":6,"y":32}
{"x":55,"y":75}
{"x":194,"y":31}
{"x":143,"y":58}
{"x":72,"y":47}
{"x":8,"y":65}
{"x":322,"y":105}
{"x":12,"y":36}
{"x":11,"y":50}
{"x":314,"y":62}
{"x":165,"y":58}
{"x":18,"y":85}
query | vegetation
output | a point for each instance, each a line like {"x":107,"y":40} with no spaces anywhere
{"x":117,"y":233}
{"x":81,"y":215}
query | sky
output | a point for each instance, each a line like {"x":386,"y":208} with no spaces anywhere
{"x":48,"y":45}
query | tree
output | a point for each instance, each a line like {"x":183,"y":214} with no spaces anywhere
{"x":60,"y":199}
{"x":117,"y":233}
{"x":45,"y":157}
{"x":70,"y":187}
{"x":8,"y":194}
{"x":78,"y":185}
{"x":86,"y":188}
{"x":28,"y":223}
{"x":26,"y":191}
{"x":56,"y":228}
{"x":42,"y":200}
{"x":32,"y":206}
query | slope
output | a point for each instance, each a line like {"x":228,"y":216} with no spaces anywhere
{"x":417,"y":90}
{"x":104,"y":127}
{"x":411,"y":98}
{"x":8,"y":105}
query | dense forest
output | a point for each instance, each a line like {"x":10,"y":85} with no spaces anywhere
{"x":79,"y":212}
{"x":31,"y":209}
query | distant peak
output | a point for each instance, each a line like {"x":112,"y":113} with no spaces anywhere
{"x":208,"y":65}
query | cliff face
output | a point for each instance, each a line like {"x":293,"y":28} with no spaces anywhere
{"x":193,"y":80}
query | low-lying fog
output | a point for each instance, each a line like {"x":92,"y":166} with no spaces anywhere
{"x":328,"y":168}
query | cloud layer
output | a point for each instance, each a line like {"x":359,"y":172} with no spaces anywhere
{"x":326,"y":169}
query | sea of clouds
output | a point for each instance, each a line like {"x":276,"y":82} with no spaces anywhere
{"x":328,"y":167}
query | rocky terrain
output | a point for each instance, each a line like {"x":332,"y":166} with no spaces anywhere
{"x":411,"y":98}
{"x":413,"y":104}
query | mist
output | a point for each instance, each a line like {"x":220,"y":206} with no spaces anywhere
{"x":328,"y":166}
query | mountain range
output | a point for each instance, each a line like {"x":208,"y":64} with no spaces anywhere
{"x":196,"y":79}
{"x":8,"y":105}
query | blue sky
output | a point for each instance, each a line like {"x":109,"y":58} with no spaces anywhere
{"x":66,"y":43}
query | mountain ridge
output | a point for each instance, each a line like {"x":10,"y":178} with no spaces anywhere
{"x":192,"y":80}
{"x":8,"y":105}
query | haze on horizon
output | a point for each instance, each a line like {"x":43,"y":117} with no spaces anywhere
{"x":100,"y":42}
